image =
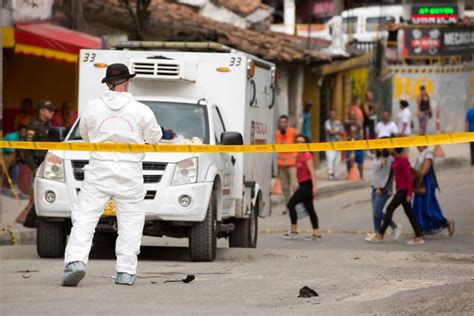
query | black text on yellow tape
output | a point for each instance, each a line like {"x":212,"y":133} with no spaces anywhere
{"x":413,"y":141}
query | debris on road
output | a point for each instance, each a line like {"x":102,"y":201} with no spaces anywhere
{"x":189,"y":278}
{"x":307,"y":292}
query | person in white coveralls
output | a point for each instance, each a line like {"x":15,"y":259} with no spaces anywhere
{"x":115,"y":117}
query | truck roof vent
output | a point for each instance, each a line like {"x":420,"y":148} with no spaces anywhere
{"x":158,"y":69}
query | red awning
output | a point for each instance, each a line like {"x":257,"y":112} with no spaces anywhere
{"x":52,"y":41}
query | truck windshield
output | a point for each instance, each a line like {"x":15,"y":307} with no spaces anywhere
{"x":185,"y":119}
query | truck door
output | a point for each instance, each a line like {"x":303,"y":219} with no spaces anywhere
{"x":227,"y":166}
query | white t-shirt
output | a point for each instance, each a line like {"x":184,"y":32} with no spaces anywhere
{"x":404,"y":117}
{"x":386,"y":130}
{"x":425,"y":154}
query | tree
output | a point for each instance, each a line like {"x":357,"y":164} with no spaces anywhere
{"x":140,"y":16}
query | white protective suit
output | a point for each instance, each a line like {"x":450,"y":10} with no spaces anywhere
{"x":113,"y":118}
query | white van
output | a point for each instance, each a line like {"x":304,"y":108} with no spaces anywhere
{"x":364,"y":24}
{"x":204,"y":97}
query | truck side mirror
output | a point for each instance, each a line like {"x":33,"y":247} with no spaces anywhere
{"x":57,"y":134}
{"x":231,"y":138}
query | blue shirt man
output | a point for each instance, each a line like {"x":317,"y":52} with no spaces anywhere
{"x":469,"y":127}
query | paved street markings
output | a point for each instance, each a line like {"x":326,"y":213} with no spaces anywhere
{"x":413,"y":141}
{"x":350,"y":232}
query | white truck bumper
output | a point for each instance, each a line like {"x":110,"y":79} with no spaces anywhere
{"x":165,"y":206}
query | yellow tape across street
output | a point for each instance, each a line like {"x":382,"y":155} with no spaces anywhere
{"x":412,"y":141}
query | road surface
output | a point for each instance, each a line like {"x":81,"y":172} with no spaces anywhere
{"x":351,"y":276}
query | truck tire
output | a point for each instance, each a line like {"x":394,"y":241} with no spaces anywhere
{"x":245,"y":233}
{"x":203,"y":235}
{"x":50,"y":239}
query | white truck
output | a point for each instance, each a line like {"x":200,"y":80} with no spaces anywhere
{"x":223,"y":97}
{"x":365,"y":24}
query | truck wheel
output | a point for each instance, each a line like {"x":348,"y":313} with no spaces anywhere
{"x":50,"y":239}
{"x":246,"y":231}
{"x":203,"y":235}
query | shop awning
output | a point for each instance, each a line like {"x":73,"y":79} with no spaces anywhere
{"x":51,"y":41}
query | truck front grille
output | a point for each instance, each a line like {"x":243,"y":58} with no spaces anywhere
{"x":150,"y":195}
{"x":78,"y":170}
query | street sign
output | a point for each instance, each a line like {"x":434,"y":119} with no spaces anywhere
{"x":434,"y":14}
{"x":425,"y":41}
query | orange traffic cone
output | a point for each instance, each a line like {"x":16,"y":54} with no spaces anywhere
{"x":276,"y":189}
{"x":438,"y":151}
{"x":353,"y":174}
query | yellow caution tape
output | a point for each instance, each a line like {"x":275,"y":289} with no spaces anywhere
{"x":413,"y":141}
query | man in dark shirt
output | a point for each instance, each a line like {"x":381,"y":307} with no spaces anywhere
{"x":37,"y":131}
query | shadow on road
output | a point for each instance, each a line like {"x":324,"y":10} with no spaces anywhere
{"x":104,"y":248}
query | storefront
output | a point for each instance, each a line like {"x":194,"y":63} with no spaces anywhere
{"x":40,"y":62}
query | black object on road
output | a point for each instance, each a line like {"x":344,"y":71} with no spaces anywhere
{"x":189,"y":278}
{"x":307,"y":292}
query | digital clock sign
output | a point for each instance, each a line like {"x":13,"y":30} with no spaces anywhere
{"x":434,"y":14}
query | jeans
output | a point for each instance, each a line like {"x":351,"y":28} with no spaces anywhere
{"x":14,"y":172}
{"x":378,"y":203}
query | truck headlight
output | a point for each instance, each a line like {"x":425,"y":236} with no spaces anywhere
{"x":185,"y":172}
{"x":53,"y":168}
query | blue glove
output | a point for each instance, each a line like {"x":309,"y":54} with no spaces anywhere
{"x":168,"y":134}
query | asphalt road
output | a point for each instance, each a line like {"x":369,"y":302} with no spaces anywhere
{"x":351,"y":276}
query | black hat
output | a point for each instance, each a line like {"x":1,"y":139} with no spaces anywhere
{"x":45,"y":104}
{"x":117,"y":72}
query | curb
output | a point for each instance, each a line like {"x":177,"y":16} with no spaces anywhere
{"x":342,"y":188}
{"x":9,"y":237}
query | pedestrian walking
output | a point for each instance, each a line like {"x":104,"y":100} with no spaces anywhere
{"x":427,"y":210}
{"x":306,"y":192}
{"x":369,"y":111}
{"x":469,"y":127}
{"x":334,"y":129}
{"x":37,"y":131}
{"x":387,"y":127}
{"x":286,"y":161}
{"x":404,"y":119}
{"x":403,"y":196}
{"x":382,"y":189}
{"x":354,"y":132}
{"x":424,"y":109}
{"x":114,"y":116}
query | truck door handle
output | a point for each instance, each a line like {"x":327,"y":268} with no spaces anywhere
{"x":232,"y":159}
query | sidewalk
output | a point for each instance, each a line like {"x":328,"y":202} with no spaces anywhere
{"x":455,"y":156}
